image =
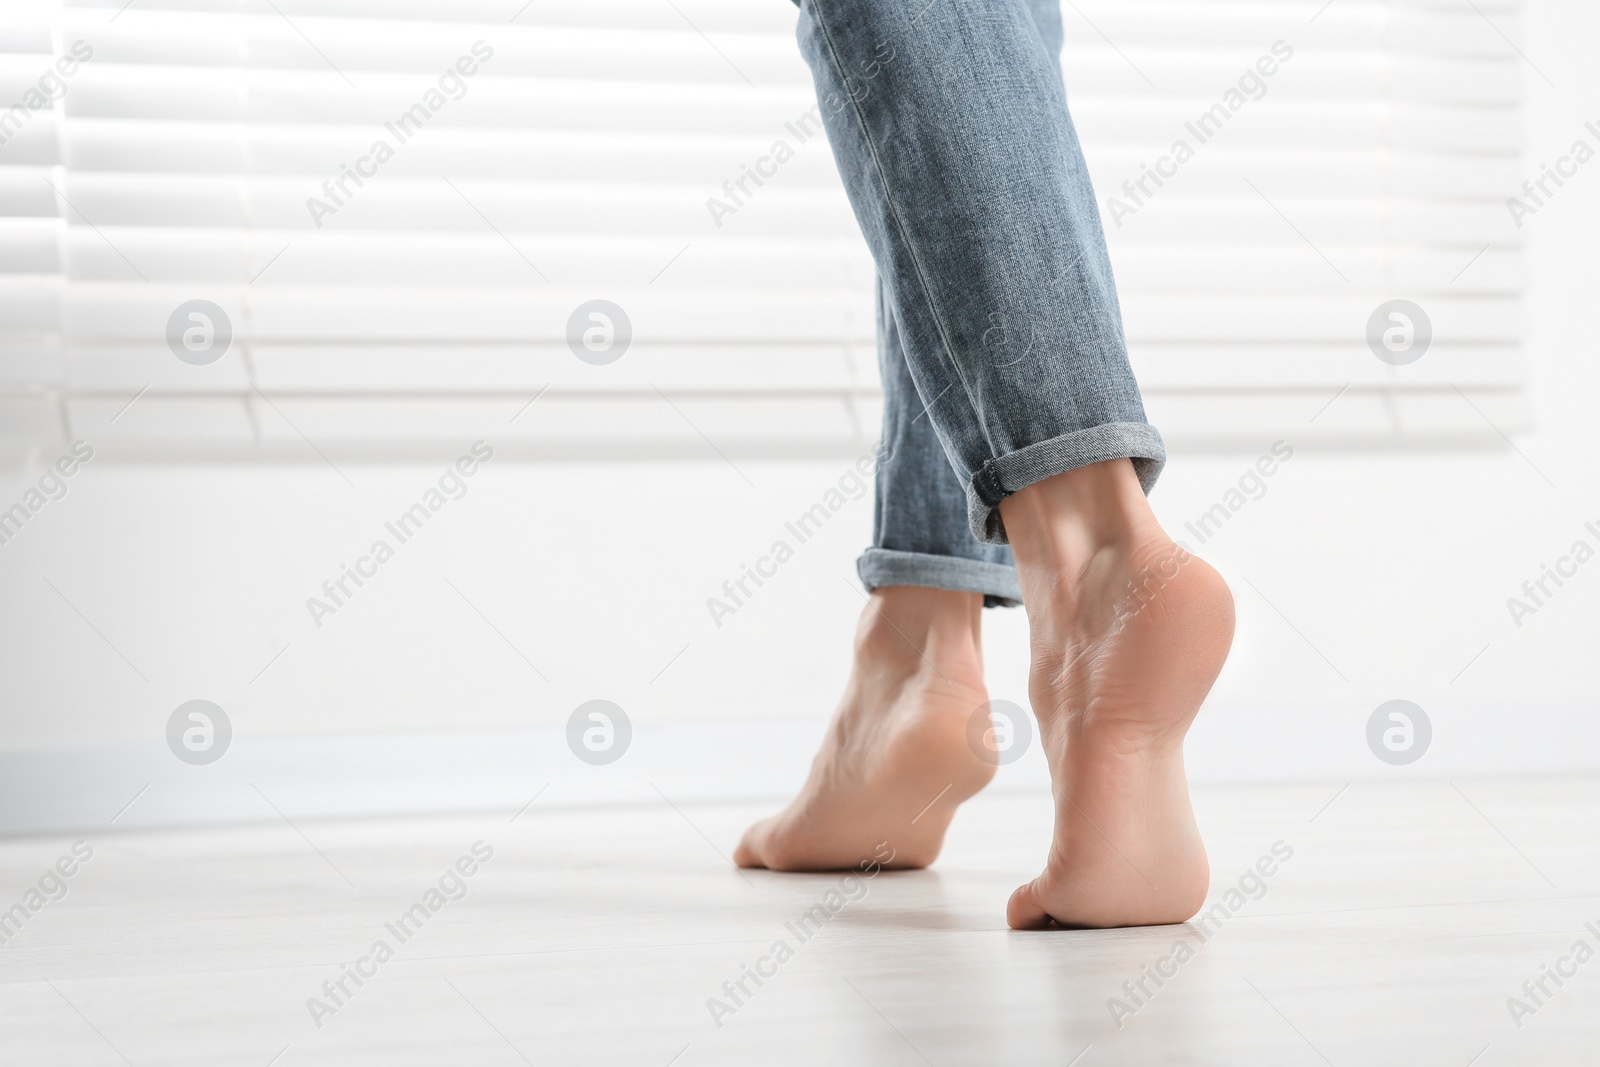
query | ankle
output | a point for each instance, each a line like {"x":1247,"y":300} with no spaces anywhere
{"x":1078,"y":534}
{"x":1073,"y":517}
{"x":911,"y":627}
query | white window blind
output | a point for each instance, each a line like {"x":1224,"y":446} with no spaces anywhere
{"x":576,"y":161}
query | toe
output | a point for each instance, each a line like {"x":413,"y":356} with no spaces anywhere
{"x":748,"y":854}
{"x":1025,"y":912}
{"x":1026,"y":909}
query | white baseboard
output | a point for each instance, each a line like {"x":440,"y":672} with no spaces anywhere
{"x":439,"y":772}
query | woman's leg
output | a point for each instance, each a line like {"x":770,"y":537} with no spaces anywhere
{"x":949,"y":123}
{"x":919,"y":530}
{"x":896,"y":760}
{"x":1128,"y":633}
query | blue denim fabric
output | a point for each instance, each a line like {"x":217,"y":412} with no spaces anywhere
{"x":919,"y":526}
{"x":1000,"y":335}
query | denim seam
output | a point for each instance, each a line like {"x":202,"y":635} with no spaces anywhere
{"x":988,"y":484}
{"x":1025,"y":460}
{"x":996,"y":581}
{"x":905,"y":237}
{"x":1043,"y":459}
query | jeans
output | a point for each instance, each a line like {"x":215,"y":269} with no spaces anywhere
{"x":999,"y":333}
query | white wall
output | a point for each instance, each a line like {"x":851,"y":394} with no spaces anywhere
{"x":1396,"y":566}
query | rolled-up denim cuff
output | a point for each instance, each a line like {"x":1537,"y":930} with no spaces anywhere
{"x":999,"y":478}
{"x":996,"y":581}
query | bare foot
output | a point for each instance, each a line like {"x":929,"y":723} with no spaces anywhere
{"x":1129,"y":632}
{"x":896,"y":761}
